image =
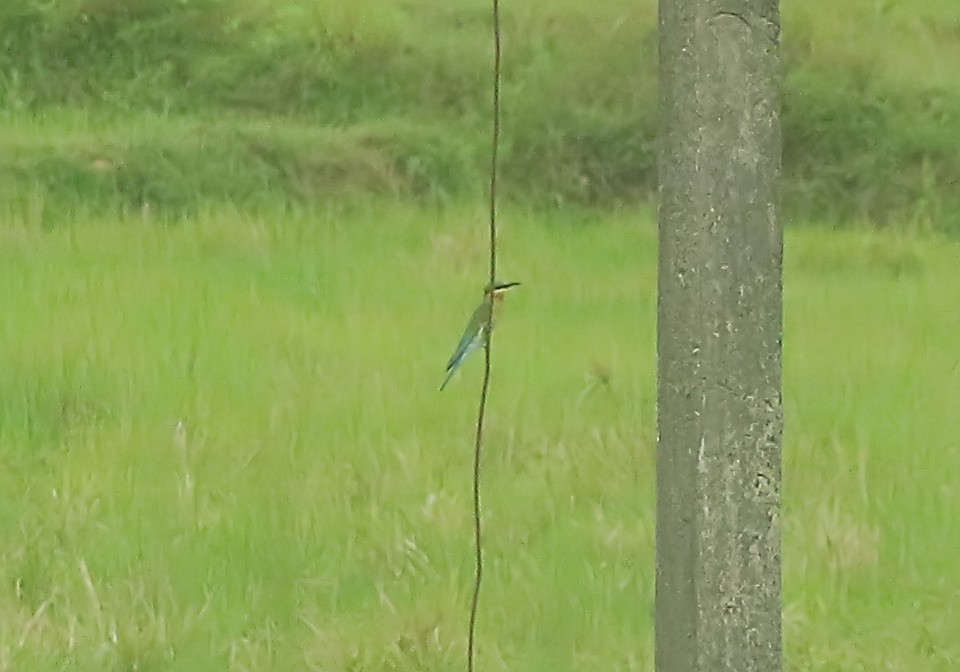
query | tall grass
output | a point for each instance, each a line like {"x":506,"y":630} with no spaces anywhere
{"x":223,"y":447}
{"x":221,"y":443}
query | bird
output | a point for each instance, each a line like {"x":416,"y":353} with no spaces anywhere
{"x":473,"y":335}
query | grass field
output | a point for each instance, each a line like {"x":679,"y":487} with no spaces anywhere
{"x":223,"y":447}
{"x":239,"y":239}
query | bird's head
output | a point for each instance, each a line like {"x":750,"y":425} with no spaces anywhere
{"x":498,"y":289}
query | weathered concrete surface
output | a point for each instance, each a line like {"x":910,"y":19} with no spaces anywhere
{"x":718,"y":604}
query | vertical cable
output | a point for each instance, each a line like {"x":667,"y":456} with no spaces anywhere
{"x":481,"y":411}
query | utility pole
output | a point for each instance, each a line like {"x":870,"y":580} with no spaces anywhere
{"x":720,"y":422}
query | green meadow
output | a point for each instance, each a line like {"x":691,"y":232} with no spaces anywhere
{"x":239,"y":240}
{"x":224,"y":447}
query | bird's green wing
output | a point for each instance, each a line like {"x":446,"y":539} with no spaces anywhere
{"x":471,"y":333}
{"x":471,"y":339}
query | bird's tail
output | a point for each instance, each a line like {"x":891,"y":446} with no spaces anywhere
{"x":446,"y":380}
{"x":463,"y":351}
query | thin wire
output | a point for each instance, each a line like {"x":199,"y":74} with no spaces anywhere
{"x":481,"y":411}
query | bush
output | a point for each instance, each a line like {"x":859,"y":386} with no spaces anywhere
{"x":580,"y":102}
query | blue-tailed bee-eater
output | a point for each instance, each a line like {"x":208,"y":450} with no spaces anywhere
{"x":474,"y":335}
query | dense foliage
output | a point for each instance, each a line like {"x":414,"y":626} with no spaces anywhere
{"x":164,"y":104}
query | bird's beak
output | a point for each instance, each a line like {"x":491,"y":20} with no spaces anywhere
{"x":502,"y":287}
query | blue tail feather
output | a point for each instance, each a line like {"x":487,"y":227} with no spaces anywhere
{"x":463,"y":351}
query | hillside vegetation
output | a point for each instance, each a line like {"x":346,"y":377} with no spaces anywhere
{"x":150,"y":104}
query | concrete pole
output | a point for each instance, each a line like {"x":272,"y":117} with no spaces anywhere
{"x":718,"y":604}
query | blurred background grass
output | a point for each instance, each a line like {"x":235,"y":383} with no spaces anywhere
{"x":223,"y":447}
{"x":168,"y":104}
{"x":221,"y":221}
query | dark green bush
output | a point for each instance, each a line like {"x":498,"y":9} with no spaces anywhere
{"x":401,"y":94}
